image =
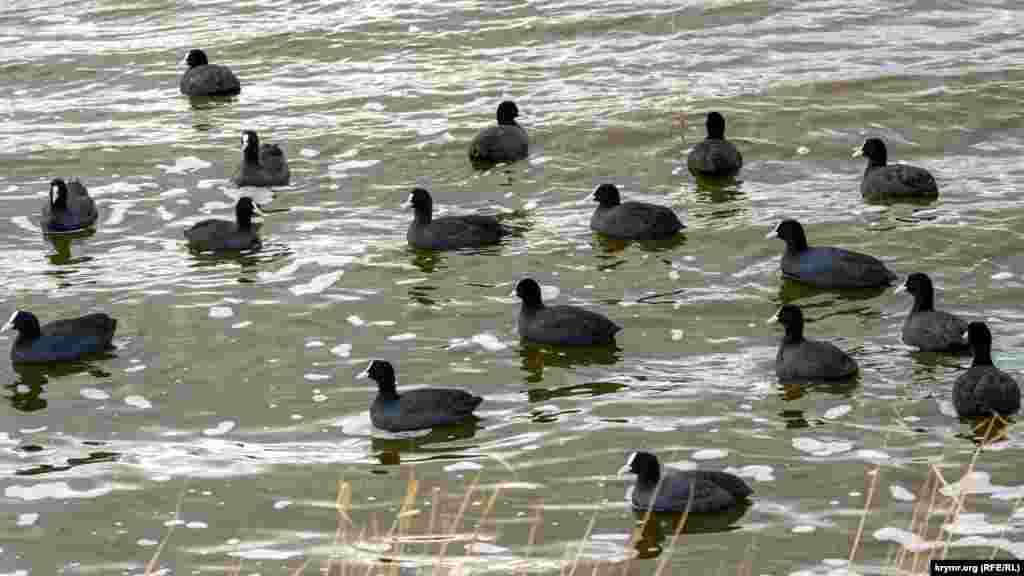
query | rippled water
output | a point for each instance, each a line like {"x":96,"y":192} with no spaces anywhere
{"x":227,"y":431}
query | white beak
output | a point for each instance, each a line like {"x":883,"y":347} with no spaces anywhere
{"x":858,"y":151}
{"x":624,"y":471}
{"x":408,"y":202}
{"x":774,"y":233}
{"x":774,"y":318}
{"x":365,"y":373}
{"x":10,"y":322}
{"x":900,"y":289}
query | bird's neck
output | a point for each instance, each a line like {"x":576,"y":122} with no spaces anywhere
{"x":923,"y":302}
{"x":982,"y":356}
{"x":251,"y":155}
{"x":794,"y":335}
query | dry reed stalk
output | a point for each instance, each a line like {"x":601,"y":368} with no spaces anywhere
{"x":531,"y":538}
{"x":864,"y":517}
{"x":401,"y":520}
{"x":170,"y":529}
{"x":302,"y":567}
{"x":914,"y":520}
{"x":435,"y":503}
{"x":456,"y":522}
{"x":679,"y":529}
{"x":583,"y":542}
{"x":235,"y":570}
{"x":961,"y":497}
{"x":342,"y":502}
{"x":928,"y":514}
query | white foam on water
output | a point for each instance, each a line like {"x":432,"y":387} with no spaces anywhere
{"x":837,"y":412}
{"x":94,"y":394}
{"x":221,"y":312}
{"x":27,"y":519}
{"x":184,"y":165}
{"x":343,"y":350}
{"x":402,"y":337}
{"x":900,"y":493}
{"x":709,"y":454}
{"x":221,"y":428}
{"x":138,"y":402}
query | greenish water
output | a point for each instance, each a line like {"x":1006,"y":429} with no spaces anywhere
{"x":229,"y":413}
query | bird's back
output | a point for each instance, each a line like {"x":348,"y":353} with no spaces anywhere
{"x":209,"y":80}
{"x":423,"y":408}
{"x":982,"y":390}
{"x":500,"y":143}
{"x":830,"y":267}
{"x":895,"y":181}
{"x":710,"y":490}
{"x":566,"y":325}
{"x":636,"y":221}
{"x":714,"y":157}
{"x":452,"y":232}
{"x":813,"y":360}
{"x":65,"y":340}
{"x":935,"y":331}
{"x":214,"y":234}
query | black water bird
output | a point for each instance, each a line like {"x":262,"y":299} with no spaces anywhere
{"x":205,"y":79}
{"x":505,"y":142}
{"x":562,"y":324}
{"x":631,"y":220}
{"x":671,"y":490}
{"x":61,"y":340}
{"x":801,"y":359}
{"x":827,"y":266}
{"x":417,"y":409}
{"x":714,"y":156}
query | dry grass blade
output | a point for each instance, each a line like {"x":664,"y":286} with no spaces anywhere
{"x":583,"y":542}
{"x":679,"y":529}
{"x":864,"y":516}
{"x":170,"y":530}
{"x":456,"y":522}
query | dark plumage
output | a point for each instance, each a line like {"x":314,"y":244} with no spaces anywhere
{"x":71,"y":210}
{"x":631,"y":220}
{"x":562,"y":324}
{"x":826,"y":266}
{"x":261,"y":165}
{"x":205,"y":79}
{"x":449,"y":232}
{"x":712,"y":490}
{"x":984,"y":389}
{"x":893,"y":181}
{"x":715,"y":156}
{"x":506,"y":142}
{"x":927,"y":328}
{"x":416,"y":409}
{"x":802,"y":359}
{"x":222,"y":235}
{"x":59,"y":341}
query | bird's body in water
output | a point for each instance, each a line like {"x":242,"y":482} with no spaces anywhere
{"x":69,"y":209}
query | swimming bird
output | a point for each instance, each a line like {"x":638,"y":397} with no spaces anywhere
{"x":262,"y":165}
{"x":506,"y":142}
{"x":205,"y":79}
{"x":802,"y":359}
{"x":714,"y":156}
{"x":892,"y":181}
{"x":568,"y":325}
{"x":984,"y":389}
{"x":449,"y":232}
{"x":72,"y":209}
{"x":927,"y":328}
{"x":826,"y":266}
{"x":213,"y":235}
{"x":61,"y":340}
{"x":631,"y":220}
{"x":710,"y":490}
{"x":415,"y":409}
